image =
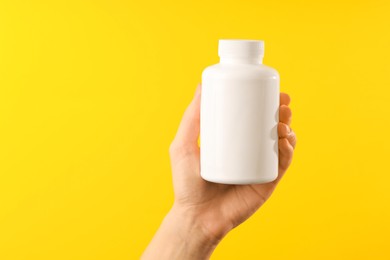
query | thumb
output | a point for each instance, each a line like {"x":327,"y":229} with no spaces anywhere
{"x":188,"y":132}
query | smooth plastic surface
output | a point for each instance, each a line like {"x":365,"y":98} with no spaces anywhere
{"x":240,"y":48}
{"x":239,"y":116}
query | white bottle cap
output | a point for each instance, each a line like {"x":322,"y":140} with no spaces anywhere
{"x":240,"y":48}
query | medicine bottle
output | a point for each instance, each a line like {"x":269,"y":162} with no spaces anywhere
{"x":239,"y":116}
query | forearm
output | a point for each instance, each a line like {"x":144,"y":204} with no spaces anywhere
{"x":180,"y":236}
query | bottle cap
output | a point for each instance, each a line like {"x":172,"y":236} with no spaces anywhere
{"x":240,"y":48}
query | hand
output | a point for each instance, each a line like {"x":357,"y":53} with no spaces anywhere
{"x":208,"y":209}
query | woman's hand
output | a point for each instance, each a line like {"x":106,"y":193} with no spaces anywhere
{"x":204,"y":212}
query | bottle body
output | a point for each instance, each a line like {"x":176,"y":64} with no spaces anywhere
{"x":239,"y":118}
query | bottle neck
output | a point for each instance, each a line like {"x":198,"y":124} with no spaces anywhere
{"x":241,"y":60}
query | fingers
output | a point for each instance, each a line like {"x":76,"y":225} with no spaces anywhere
{"x":188,"y":132}
{"x":284,"y":99}
{"x":285,"y":114}
{"x":292,"y":138}
{"x":284,"y":131}
{"x":287,"y":138}
{"x":286,"y":151}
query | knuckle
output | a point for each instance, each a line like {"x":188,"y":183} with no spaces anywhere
{"x":293,"y":139}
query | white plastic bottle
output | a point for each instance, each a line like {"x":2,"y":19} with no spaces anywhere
{"x":239,"y":116}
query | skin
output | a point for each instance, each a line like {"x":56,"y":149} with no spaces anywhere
{"x":204,"y":212}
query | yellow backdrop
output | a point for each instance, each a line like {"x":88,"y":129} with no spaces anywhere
{"x":91,"y":94}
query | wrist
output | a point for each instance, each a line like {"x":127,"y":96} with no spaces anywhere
{"x":185,"y":233}
{"x":209,"y":226}
{"x":188,"y":226}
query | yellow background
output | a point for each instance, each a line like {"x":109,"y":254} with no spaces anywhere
{"x":91,"y":94}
